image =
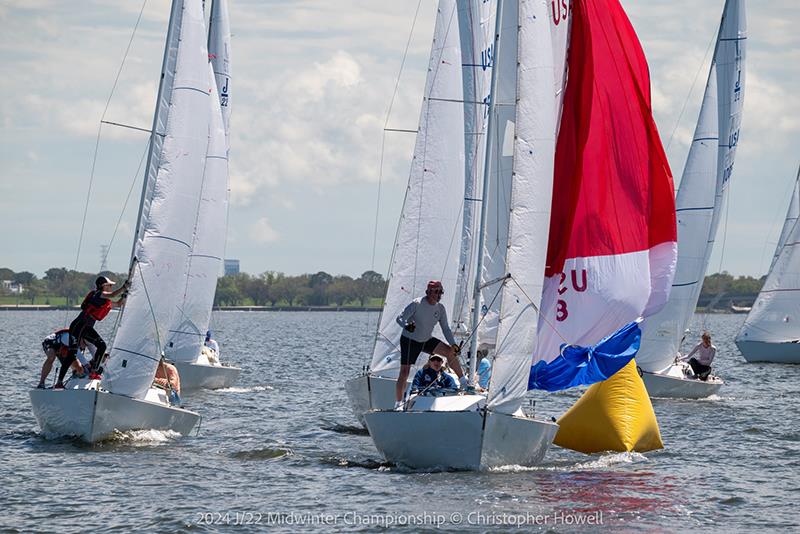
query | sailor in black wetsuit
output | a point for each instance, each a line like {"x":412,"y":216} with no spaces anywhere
{"x":95,"y":307}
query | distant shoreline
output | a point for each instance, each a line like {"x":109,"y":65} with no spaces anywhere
{"x":40,"y":307}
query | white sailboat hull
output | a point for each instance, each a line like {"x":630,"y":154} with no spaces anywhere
{"x":459,"y":440}
{"x":91,"y":415}
{"x":367,"y":392}
{"x":196,"y":376}
{"x":673,"y":383}
{"x":760,"y":351}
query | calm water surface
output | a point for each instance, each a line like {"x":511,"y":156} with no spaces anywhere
{"x":283,"y":441}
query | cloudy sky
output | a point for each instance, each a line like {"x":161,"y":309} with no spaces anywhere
{"x":312,"y":83}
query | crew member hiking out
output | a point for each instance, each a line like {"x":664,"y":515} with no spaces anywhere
{"x":418,"y":320}
{"x":94,"y":308}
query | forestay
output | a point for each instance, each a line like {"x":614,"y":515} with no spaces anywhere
{"x":788,"y":223}
{"x":427,"y":242}
{"x":205,"y":261}
{"x":164,"y":237}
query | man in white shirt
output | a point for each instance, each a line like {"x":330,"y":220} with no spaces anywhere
{"x":418,"y":320}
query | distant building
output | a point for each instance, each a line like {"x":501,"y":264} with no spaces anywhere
{"x":14,"y":287}
{"x":231,"y":267}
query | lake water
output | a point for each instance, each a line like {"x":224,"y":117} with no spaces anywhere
{"x":282,"y":447}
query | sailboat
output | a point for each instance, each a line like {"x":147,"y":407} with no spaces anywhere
{"x":433,"y":214}
{"x":125,"y":399}
{"x":771,"y":332}
{"x":199,"y":366}
{"x":526,"y":183}
{"x":700,"y":202}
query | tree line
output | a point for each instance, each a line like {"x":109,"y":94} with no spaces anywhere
{"x":273,"y":288}
{"x":266,"y":289}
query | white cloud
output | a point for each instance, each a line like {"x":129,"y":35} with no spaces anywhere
{"x":263,"y":232}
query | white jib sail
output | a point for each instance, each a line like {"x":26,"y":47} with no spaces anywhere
{"x":791,"y":216}
{"x":775,"y":317}
{"x":162,"y":252}
{"x":186,"y":338}
{"x":428,"y":235}
{"x":476,"y":22}
{"x":498,"y":199}
{"x":662,"y":333}
{"x":219,"y":52}
{"x":530,"y":203}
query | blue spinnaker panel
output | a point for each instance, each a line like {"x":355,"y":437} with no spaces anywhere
{"x":582,"y":366}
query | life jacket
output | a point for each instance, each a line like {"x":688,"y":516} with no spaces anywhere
{"x":98,"y":313}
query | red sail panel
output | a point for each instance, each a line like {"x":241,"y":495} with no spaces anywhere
{"x":613,"y":191}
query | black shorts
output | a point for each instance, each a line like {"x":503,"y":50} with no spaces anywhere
{"x":410,"y":349}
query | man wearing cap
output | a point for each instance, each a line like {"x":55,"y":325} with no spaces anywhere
{"x":94,"y":308}
{"x":418,"y":320}
{"x":432,"y":377}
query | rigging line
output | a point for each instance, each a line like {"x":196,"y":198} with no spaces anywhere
{"x":538,"y":311}
{"x":99,"y":131}
{"x":489,"y":307}
{"x":380,"y":168}
{"x":152,"y":311}
{"x":127,"y":199}
{"x":689,"y":94}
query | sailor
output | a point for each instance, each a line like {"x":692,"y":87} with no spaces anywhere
{"x":95,"y":307}
{"x":211,"y":343}
{"x":701,"y":365}
{"x":432,"y":377}
{"x":57,"y":345}
{"x":167,"y":377}
{"x":484,"y":371}
{"x":418,"y":320}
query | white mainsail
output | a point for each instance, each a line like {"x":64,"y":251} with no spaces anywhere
{"x":730,"y":63}
{"x":497,"y":201}
{"x":703,"y":191}
{"x":775,"y":317}
{"x":219,"y":52}
{"x":164,"y":235}
{"x":530,"y":203}
{"x":476,"y":23}
{"x":662,"y":333}
{"x":427,"y":242}
{"x":205,"y":260}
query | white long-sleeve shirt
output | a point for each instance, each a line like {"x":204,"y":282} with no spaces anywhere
{"x":705,"y":355}
{"x":425,"y":315}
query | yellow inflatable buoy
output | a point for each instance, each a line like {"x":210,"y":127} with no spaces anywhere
{"x":613,"y":415}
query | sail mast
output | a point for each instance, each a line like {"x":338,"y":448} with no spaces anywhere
{"x":476,"y":305}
